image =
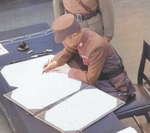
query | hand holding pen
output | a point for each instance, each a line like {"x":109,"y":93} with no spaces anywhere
{"x":50,"y":66}
{"x":45,"y":66}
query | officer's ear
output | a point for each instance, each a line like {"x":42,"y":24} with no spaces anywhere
{"x":75,"y":35}
{"x":72,"y":36}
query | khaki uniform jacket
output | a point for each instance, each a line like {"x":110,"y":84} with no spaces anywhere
{"x":103,"y":23}
{"x":99,"y":56}
{"x":96,"y":53}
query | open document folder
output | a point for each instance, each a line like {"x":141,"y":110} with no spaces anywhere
{"x":36,"y":91}
{"x":66,"y":104}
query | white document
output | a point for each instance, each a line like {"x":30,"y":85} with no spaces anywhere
{"x":81,"y":110}
{"x":44,"y":91}
{"x":24,"y":73}
{"x":128,"y":130}
{"x":2,"y":50}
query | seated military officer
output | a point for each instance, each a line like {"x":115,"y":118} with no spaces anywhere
{"x":104,"y":66}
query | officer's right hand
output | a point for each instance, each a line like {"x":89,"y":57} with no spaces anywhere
{"x":50,"y":66}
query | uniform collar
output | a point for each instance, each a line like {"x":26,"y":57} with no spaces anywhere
{"x":83,"y":38}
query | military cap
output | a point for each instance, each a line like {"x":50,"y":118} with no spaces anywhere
{"x":64,"y":26}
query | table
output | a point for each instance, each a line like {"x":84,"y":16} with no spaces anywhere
{"x":20,"y":120}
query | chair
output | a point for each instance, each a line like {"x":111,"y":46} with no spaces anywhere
{"x":140,"y":105}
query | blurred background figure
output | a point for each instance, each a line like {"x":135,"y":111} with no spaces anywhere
{"x":97,"y":15}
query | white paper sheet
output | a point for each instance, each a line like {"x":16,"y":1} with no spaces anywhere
{"x":128,"y":130}
{"x":81,"y":110}
{"x":24,"y":73}
{"x":45,"y":90}
{"x":2,"y":50}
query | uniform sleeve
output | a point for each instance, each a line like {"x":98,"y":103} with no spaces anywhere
{"x":96,"y":63}
{"x":65,"y":55}
{"x":107,"y":11}
{"x":58,"y":8}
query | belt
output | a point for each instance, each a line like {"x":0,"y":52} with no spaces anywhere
{"x":107,"y":76}
{"x":82,"y":17}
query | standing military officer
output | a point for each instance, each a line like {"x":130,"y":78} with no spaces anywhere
{"x":104,"y":66}
{"x":97,"y":15}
